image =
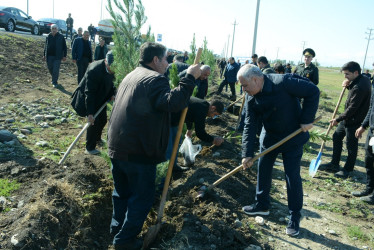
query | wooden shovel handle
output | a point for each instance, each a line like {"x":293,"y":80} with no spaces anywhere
{"x":174,"y":152}
{"x":333,"y":116}
{"x":237,"y":169}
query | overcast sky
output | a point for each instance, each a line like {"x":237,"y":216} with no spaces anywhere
{"x":335,"y":29}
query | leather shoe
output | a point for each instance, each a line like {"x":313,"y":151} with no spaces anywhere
{"x":369,"y":198}
{"x":132,"y":245}
{"x":364,"y":192}
{"x":329,"y":167}
{"x":342,"y":174}
{"x":178,"y":168}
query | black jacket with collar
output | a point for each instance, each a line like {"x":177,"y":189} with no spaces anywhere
{"x":140,"y":120}
{"x":357,"y":103}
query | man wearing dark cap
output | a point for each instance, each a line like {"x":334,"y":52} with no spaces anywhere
{"x":308,"y":69}
{"x":254,"y":59}
{"x":288,"y":68}
{"x":263,"y":64}
{"x":98,"y":88}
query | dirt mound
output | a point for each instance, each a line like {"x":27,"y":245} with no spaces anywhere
{"x":63,"y":206}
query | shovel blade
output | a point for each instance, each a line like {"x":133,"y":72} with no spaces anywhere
{"x":314,"y":165}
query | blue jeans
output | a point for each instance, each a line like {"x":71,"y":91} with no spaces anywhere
{"x":53,"y":65}
{"x":172,"y":134}
{"x":291,"y":161}
{"x":133,"y":195}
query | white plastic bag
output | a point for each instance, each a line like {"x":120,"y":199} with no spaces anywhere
{"x":189,"y":151}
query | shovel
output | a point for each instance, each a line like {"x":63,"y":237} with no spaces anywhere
{"x":153,"y":231}
{"x":240,"y":114}
{"x":80,"y":134}
{"x":205,"y":189}
{"x":314,"y":164}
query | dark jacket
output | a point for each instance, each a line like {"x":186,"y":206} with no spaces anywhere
{"x":196,"y":114}
{"x":231,"y":72}
{"x":97,"y":52}
{"x":268,"y":70}
{"x":369,"y":119}
{"x":278,"y":108}
{"x":78,"y":47}
{"x":357,"y":103}
{"x":99,"y":86}
{"x":310,"y":72}
{"x":222,"y":64}
{"x":180,"y":67}
{"x":201,"y":85}
{"x":60,"y":49}
{"x":139,"y":124}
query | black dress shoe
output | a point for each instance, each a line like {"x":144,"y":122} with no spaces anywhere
{"x":369,"y":198}
{"x":132,"y":245}
{"x":342,"y":174}
{"x":364,"y":192}
{"x":330,"y":167}
{"x":178,"y":168}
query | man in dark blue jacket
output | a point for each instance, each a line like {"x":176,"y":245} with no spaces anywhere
{"x":54,"y":51}
{"x":82,"y":54}
{"x":232,"y":69}
{"x":367,"y":194}
{"x":274,"y":102}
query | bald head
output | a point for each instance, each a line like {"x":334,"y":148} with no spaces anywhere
{"x":205,"y":72}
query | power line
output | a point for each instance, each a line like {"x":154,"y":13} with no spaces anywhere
{"x":368,"y":38}
{"x":301,"y":59}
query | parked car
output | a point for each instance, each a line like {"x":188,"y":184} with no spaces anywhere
{"x":15,"y":19}
{"x":46,"y":23}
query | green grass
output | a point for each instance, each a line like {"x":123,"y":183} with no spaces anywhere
{"x":355,"y":231}
{"x":7,"y":187}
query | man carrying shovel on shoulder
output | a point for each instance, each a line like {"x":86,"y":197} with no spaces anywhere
{"x":274,"y":102}
{"x":138,"y":136}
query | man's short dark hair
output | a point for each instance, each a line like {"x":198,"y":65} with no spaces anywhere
{"x":352,"y":67}
{"x":254,"y":56}
{"x":279,"y":68}
{"x":232,"y":58}
{"x":149,"y":50}
{"x":219,"y":106}
{"x":178,"y":57}
{"x":262,"y":59}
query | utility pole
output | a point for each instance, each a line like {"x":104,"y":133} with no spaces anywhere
{"x":368,"y":38}
{"x":233,"y":35}
{"x":53,"y":8}
{"x":101,"y":13}
{"x":27,"y":7}
{"x":301,"y":59}
{"x":256,"y":24}
{"x":227,"y":49}
{"x":277,"y":53}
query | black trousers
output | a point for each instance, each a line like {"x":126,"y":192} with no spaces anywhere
{"x":224,"y":83}
{"x":82,"y":67}
{"x":352,"y":145}
{"x":94,"y":131}
{"x":369,"y":161}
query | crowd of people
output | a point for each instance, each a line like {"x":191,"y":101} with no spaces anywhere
{"x":146,"y":112}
